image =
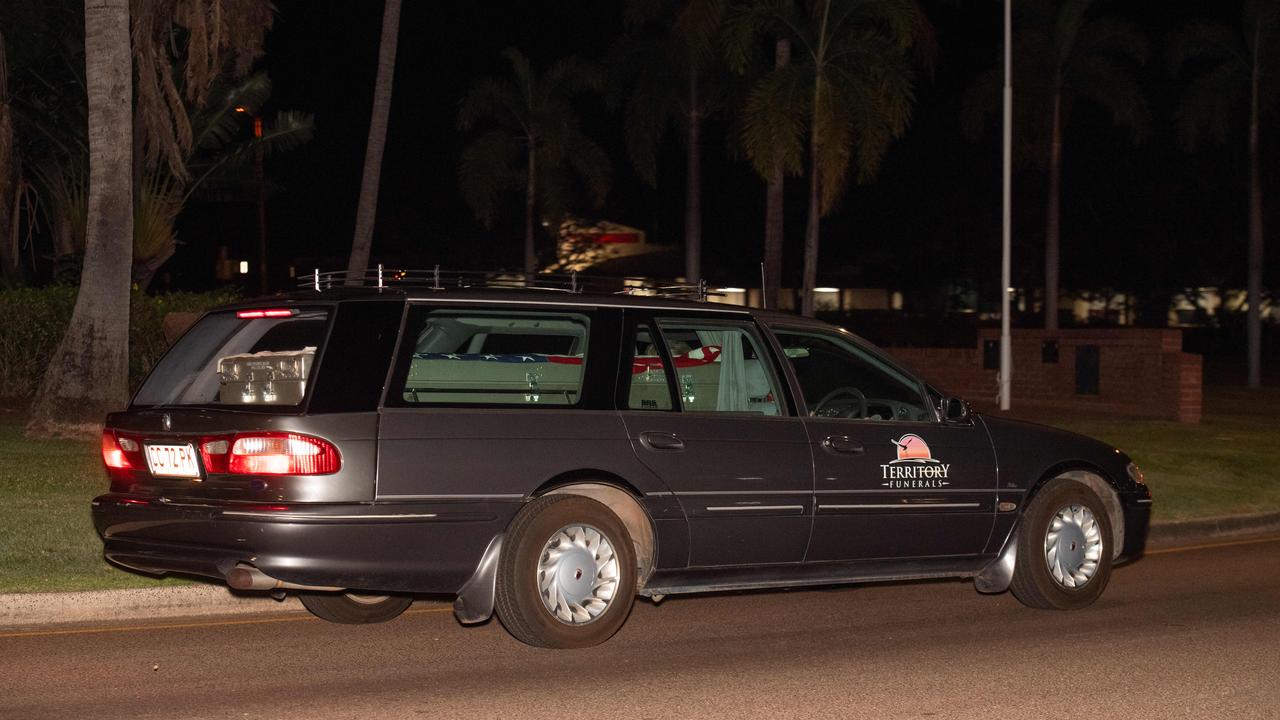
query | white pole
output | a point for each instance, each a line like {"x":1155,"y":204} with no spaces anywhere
{"x":1006,"y":280}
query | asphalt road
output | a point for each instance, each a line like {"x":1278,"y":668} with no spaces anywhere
{"x":1187,"y":634}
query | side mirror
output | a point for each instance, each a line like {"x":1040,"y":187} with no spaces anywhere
{"x":955,"y":410}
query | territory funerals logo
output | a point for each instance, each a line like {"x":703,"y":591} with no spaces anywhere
{"x":915,"y":466}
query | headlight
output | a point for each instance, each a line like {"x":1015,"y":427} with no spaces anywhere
{"x":1135,"y":473}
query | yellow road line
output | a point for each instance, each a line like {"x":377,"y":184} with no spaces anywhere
{"x":1210,"y":546}
{"x":180,"y":626}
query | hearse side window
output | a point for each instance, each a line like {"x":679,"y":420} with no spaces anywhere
{"x":649,"y":387}
{"x":492,"y":357}
{"x":839,"y":379}
{"x":246,"y":358}
{"x":720,"y":368}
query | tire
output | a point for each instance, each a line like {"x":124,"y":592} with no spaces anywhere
{"x":353,"y":608}
{"x":591,"y":588}
{"x":1034,"y":582}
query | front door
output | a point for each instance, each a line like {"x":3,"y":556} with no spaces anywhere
{"x":891,"y":479}
{"x":703,"y":407}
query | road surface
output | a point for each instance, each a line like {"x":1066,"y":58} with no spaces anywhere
{"x":1193,"y":633}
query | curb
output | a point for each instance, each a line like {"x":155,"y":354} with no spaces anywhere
{"x":208,"y":600}
{"x":142,"y":604}
{"x":1225,"y":526}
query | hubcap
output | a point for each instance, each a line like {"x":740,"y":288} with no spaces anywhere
{"x":1073,"y":546}
{"x":364,"y":599}
{"x":577,"y":574}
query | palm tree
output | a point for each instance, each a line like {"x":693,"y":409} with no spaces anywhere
{"x":677,"y":76}
{"x":88,"y":374}
{"x":1061,"y":56}
{"x":10,"y":182}
{"x":1226,"y":69}
{"x":532,"y":141}
{"x":851,"y":90}
{"x":368,"y":207}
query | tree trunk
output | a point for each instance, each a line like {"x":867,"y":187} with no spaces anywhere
{"x":1254,"y":318}
{"x":368,"y":207}
{"x":810,"y":279}
{"x":1053,"y":223}
{"x":88,"y":375}
{"x":10,"y":184}
{"x":530,"y":198}
{"x":774,"y":224}
{"x":693,"y":186}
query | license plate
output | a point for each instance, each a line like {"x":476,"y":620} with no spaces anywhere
{"x":173,"y":461}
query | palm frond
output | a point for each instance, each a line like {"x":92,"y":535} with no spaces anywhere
{"x":1067,"y":25}
{"x":1201,"y":43}
{"x":698,"y":24}
{"x":1209,"y":103}
{"x":649,"y":113}
{"x":487,"y":169}
{"x":221,"y":121}
{"x":1115,"y":88}
{"x":590,"y":163}
{"x":570,"y":76}
{"x":775,"y":118}
{"x":1113,"y":37}
{"x":748,"y":23}
{"x":493,"y":100}
{"x":289,"y":130}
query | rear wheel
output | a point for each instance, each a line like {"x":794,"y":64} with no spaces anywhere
{"x":1064,"y":548}
{"x":350,"y":608}
{"x":567,"y":576}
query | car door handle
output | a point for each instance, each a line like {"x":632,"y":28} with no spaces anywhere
{"x":842,"y":444}
{"x":661,"y":441}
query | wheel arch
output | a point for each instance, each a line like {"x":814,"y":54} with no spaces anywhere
{"x":619,"y":496}
{"x":1094,"y":478}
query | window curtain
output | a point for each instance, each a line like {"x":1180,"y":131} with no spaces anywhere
{"x":732,"y":395}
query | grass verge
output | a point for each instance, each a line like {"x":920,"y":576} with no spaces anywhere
{"x":47,"y":540}
{"x":1229,"y":463}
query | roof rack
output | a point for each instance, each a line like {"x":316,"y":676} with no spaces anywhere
{"x":438,"y":279}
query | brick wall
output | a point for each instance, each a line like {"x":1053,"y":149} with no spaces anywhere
{"x":1140,"y":372}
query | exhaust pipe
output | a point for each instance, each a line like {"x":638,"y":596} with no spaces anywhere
{"x":248,"y":577}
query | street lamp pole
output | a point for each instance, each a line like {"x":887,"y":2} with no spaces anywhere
{"x":1006,"y":280}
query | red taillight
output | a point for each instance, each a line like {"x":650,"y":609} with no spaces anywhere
{"x":214,"y":451}
{"x":273,"y":453}
{"x":121,"y":454}
{"x":273,"y":313}
{"x":112,"y":454}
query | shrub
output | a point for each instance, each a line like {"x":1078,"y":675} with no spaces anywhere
{"x":32,"y":321}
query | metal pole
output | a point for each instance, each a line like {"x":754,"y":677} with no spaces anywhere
{"x":1006,"y":280}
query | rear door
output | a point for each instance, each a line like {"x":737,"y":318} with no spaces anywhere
{"x":703,"y":406}
{"x":487,"y":402}
{"x":891,"y":480}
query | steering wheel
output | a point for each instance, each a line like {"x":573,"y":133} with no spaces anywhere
{"x":822,"y":410}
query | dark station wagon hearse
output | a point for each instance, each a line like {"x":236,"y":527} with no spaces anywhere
{"x":549,"y":454}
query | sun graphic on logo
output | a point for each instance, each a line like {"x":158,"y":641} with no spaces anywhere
{"x":913,"y":448}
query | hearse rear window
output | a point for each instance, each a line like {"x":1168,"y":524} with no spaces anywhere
{"x":243,"y":358}
{"x":490,"y":357}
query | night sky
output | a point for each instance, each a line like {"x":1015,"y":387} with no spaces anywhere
{"x":1136,"y":218}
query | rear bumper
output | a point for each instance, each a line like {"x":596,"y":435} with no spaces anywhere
{"x":428,"y":547}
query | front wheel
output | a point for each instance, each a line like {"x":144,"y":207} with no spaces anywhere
{"x":567,"y":576}
{"x":1064,"y":549}
{"x":351,"y":608}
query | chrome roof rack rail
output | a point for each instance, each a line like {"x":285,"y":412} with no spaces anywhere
{"x":437,"y":279}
